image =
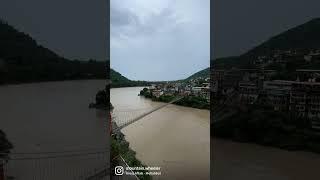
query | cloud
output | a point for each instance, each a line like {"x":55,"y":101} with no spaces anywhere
{"x":168,"y":36}
{"x":126,"y":23}
{"x":120,"y":17}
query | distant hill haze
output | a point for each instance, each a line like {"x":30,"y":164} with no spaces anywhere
{"x":23,"y":60}
{"x":120,"y":81}
{"x":303,"y":37}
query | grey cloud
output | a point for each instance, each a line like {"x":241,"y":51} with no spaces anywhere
{"x":120,"y":17}
{"x":126,"y":23}
{"x":165,"y":43}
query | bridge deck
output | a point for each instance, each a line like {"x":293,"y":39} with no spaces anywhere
{"x":144,"y":114}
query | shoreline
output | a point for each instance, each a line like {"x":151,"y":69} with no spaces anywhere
{"x":125,"y":87}
{"x":175,"y":103}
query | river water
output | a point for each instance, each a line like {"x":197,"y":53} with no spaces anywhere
{"x":175,"y":138}
{"x":54,"y":117}
{"x":242,"y":161}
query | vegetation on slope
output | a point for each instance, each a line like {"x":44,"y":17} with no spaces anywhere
{"x":22,"y":60}
{"x":305,"y":36}
{"x":205,"y":73}
{"x":302,"y":37}
{"x":120,"y":81}
{"x":120,"y":147}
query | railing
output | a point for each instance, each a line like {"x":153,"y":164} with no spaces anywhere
{"x":63,"y":165}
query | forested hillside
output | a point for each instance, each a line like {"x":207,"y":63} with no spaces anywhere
{"x":23,"y":60}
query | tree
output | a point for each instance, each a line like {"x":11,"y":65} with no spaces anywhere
{"x":5,"y":146}
{"x":101,"y":98}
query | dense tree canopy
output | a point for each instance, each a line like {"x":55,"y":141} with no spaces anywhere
{"x":23,"y":60}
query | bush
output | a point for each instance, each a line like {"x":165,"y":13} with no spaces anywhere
{"x":5,"y":145}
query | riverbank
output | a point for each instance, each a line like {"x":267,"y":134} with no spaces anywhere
{"x":188,"y":101}
{"x":264,"y":126}
{"x":120,"y":147}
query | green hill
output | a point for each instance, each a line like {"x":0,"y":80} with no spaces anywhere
{"x":117,"y":80}
{"x":23,"y":60}
{"x":203,"y":73}
{"x":303,"y":37}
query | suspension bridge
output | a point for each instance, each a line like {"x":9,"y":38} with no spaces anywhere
{"x":123,"y":119}
{"x":81,"y":164}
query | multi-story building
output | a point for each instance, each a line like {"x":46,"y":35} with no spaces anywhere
{"x":216,"y":78}
{"x":277,"y":93}
{"x":157,"y":93}
{"x":305,"y":101}
{"x":308,"y":74}
{"x":231,"y":80}
{"x":248,"y":92}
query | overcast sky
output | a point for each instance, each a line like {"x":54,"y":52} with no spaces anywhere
{"x":71,"y":28}
{"x":237,"y":26}
{"x":159,"y":39}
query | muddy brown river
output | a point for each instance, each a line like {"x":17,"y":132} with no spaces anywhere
{"x":177,"y":139}
{"x":54,"y":133}
{"x":174,"y":138}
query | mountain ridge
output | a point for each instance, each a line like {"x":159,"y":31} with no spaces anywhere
{"x":202,"y":73}
{"x":301,"y":37}
{"x":118,"y":80}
